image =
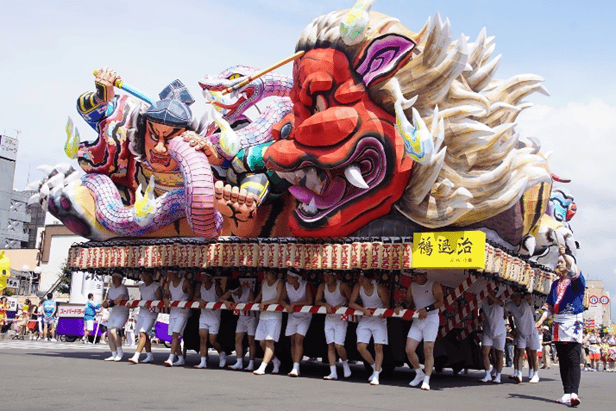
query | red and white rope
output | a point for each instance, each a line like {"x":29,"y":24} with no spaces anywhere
{"x":405,"y":314}
{"x":466,"y":310}
{"x":458,"y":291}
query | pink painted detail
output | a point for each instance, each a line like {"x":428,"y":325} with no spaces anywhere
{"x":332,"y":195}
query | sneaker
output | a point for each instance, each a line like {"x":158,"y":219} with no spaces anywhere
{"x":565,"y":399}
{"x":535,"y":379}
{"x":419,"y":377}
{"x":575,"y":400}
{"x":276,"y":363}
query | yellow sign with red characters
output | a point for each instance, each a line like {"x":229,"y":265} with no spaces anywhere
{"x":451,"y":249}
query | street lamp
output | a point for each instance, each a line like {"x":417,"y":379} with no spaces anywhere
{"x":26,"y":269}
{"x":37,"y":271}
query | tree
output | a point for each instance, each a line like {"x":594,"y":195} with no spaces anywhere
{"x":65,"y":279}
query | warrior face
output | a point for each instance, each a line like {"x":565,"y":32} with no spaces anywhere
{"x":157,"y":138}
{"x":344,"y":157}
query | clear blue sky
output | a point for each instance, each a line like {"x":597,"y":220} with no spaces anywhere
{"x":49,"y":50}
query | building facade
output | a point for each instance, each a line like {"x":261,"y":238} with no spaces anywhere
{"x":599,"y":304}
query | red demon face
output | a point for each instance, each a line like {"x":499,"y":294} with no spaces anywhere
{"x":344,"y":157}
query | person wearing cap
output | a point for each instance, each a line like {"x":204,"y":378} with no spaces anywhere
{"x":566,"y":303}
{"x":372,"y":296}
{"x":246,"y":323}
{"x":118,"y":316}
{"x":149,"y":290}
{"x":270,"y":322}
{"x":527,"y":339}
{"x":493,"y":336}
{"x":427,"y":298}
{"x":333,"y":294}
{"x":209,"y":320}
{"x":296,"y":293}
{"x":177,"y":289}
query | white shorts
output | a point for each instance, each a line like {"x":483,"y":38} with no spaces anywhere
{"x":209,"y":322}
{"x":298,"y":323}
{"x":424,"y":329}
{"x":335,"y":330}
{"x":529,"y":341}
{"x":269,"y":329}
{"x":497,"y":342}
{"x":145,"y":322}
{"x":177,"y":323}
{"x":49,"y":320}
{"x":117,"y":319}
{"x":88,"y":325}
{"x":246,"y":324}
{"x":372,"y":327}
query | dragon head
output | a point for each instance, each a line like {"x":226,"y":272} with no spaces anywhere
{"x":233,"y":105}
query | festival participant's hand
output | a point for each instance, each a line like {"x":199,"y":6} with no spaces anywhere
{"x":105,"y":79}
{"x":422,"y":313}
{"x":397,"y":310}
{"x":367,"y":313}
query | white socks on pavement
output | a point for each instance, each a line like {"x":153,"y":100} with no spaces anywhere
{"x":426,"y":383}
{"x":113,"y":356}
{"x":375,"y":378}
{"x":295,"y":371}
{"x":276,"y":363}
{"x":565,"y":399}
{"x":419,"y":377}
{"x":487,"y":377}
{"x":222,"y":359}
{"x":238,"y":364}
{"x":251,"y":365}
{"x":120,"y":355}
{"x":333,"y":374}
{"x":261,"y":369}
{"x":169,"y":361}
{"x":202,"y":364}
{"x":179,"y":362}
{"x":148,"y":358}
{"x":535,"y":378}
{"x":346,"y":369}
{"x":497,"y":378}
{"x":135,"y":358}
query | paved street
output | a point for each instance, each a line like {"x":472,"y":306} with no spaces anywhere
{"x":61,"y":376}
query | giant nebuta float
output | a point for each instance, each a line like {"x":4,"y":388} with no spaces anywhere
{"x":386,"y":150}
